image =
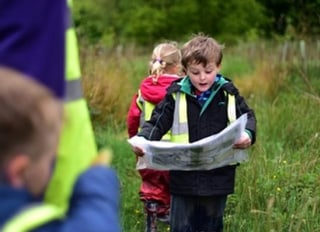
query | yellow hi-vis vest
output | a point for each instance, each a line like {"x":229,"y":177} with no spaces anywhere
{"x":32,"y":218}
{"x":146,"y":112}
{"x":179,"y":130}
{"x":77,"y":148}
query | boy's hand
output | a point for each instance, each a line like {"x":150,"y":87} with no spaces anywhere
{"x":244,"y":142}
{"x":138,"y":151}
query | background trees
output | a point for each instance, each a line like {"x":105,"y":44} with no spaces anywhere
{"x":114,"y":22}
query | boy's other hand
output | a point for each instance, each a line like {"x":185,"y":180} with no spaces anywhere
{"x":138,"y":151}
{"x":243,"y":143}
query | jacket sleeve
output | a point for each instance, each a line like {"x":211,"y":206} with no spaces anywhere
{"x":133,"y":117}
{"x":242,"y":108}
{"x":94,"y":204}
{"x":161,"y":120}
{"x":32,"y":40}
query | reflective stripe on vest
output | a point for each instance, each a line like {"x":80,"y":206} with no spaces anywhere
{"x":146,"y":112}
{"x":232,"y":116}
{"x":73,"y":90}
{"x":77,"y":147}
{"x":32,"y":218}
{"x":180,"y":132}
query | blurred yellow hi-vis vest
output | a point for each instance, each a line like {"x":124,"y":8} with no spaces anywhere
{"x":32,"y":218}
{"x":77,"y":148}
{"x":179,"y":130}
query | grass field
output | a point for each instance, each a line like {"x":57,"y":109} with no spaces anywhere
{"x":278,"y":188}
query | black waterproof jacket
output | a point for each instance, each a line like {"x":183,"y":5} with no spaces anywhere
{"x":219,"y":181}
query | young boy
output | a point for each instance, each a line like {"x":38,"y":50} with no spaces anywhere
{"x":30,"y":122}
{"x":199,"y":197}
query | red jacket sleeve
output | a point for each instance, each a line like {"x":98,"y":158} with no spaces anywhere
{"x":133,"y":117}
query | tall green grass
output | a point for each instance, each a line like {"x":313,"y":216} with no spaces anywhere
{"x":278,"y":188}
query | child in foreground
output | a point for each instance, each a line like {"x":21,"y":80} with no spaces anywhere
{"x":199,"y":197}
{"x":164,"y":68}
{"x":30,"y":123}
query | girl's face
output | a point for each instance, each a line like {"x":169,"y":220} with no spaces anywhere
{"x":202,"y":77}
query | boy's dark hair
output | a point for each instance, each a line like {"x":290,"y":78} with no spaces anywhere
{"x":201,"y":49}
{"x":30,"y":116}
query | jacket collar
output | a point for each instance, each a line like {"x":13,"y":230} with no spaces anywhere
{"x":186,"y":85}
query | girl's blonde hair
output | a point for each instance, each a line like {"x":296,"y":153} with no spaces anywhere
{"x":164,"y":56}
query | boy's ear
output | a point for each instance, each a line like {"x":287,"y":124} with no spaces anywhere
{"x":15,"y":170}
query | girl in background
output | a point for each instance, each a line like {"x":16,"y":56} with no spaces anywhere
{"x":164,"y":68}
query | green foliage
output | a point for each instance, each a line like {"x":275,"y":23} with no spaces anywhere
{"x":238,"y":20}
{"x":293,"y":19}
{"x":146,"y":24}
{"x":94,"y":21}
{"x":114,"y":22}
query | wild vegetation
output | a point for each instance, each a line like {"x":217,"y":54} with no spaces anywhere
{"x":278,"y":188}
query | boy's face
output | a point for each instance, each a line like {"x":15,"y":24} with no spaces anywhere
{"x":202,"y":77}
